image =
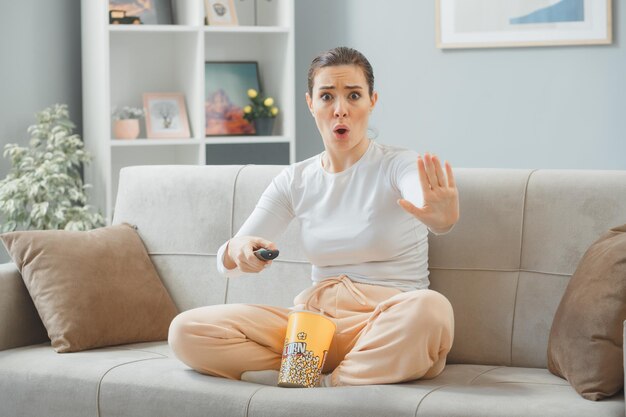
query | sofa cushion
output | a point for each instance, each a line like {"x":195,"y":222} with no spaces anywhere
{"x":36,"y":381}
{"x":92,"y":289}
{"x":144,"y":379}
{"x":512,"y":391}
{"x":169,"y":388}
{"x":20,"y":324}
{"x":459,"y":391}
{"x":585,"y":344}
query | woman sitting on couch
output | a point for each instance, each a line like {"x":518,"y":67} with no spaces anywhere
{"x":364,"y":211}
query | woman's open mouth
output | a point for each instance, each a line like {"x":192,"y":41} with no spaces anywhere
{"x":341,"y":132}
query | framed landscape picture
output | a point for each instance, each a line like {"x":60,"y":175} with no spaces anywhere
{"x":150,"y":12}
{"x":166,"y":115}
{"x":226,"y":94}
{"x":499,"y":23}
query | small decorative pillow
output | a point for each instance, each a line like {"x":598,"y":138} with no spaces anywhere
{"x":585,"y":344}
{"x":92,"y":289}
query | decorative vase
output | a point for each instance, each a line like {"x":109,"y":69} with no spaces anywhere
{"x":126,"y":129}
{"x":264,"y":126}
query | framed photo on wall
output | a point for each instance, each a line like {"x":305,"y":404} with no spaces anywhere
{"x":150,"y":12}
{"x":166,"y":115}
{"x":517,"y":23}
{"x":220,"y":12}
{"x":226,"y":94}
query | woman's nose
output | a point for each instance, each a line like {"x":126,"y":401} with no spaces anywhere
{"x":341,"y":110}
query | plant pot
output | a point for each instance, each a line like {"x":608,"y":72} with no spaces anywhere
{"x":264,"y":126}
{"x":126,"y":129}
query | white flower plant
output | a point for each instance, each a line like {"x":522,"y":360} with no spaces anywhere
{"x":126,"y":112}
{"x":44,"y":189}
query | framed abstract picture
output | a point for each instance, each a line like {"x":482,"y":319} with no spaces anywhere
{"x":505,"y":23}
{"x":166,"y":115}
{"x":225,"y":96}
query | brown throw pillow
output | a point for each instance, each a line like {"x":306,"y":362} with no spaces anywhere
{"x":92,"y":289}
{"x":585,"y":344}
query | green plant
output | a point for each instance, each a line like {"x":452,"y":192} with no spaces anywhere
{"x":44,"y":189}
{"x":259,"y":107}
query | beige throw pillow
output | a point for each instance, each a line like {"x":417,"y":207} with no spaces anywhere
{"x":585,"y":344}
{"x":92,"y":289}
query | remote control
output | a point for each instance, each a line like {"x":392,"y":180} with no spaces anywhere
{"x":266,"y":254}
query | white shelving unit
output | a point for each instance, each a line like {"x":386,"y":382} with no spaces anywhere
{"x":121,"y":62}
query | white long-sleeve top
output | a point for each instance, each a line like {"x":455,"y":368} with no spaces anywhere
{"x":350,"y":221}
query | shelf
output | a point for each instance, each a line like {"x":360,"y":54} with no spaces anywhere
{"x":120,"y":63}
{"x":153,"y":142}
{"x":246,"y":29}
{"x":193,"y":29}
{"x":206,"y":141}
{"x":245,"y":139}
{"x":152,"y":28}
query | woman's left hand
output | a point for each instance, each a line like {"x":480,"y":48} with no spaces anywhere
{"x":441,"y":197}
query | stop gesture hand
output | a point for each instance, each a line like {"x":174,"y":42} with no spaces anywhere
{"x":441,"y":198}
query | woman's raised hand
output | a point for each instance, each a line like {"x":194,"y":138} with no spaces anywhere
{"x":240,"y":252}
{"x":441,"y":197}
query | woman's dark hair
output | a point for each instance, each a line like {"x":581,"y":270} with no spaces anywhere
{"x":341,"y":56}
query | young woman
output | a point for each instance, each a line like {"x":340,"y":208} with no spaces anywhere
{"x":365,"y":210}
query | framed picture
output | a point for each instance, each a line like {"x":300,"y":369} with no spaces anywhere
{"x":149,"y":12}
{"x":497,"y":23}
{"x":166,"y":115}
{"x":226,"y":94}
{"x":220,"y":12}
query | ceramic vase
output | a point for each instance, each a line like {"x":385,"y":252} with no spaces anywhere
{"x":126,"y":129}
{"x":264,"y":126}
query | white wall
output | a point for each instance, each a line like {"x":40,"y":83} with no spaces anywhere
{"x":540,"y":107}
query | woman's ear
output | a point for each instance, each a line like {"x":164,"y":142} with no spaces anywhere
{"x":309,"y":102}
{"x":373,"y":100}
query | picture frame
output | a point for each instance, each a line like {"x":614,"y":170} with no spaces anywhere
{"x":150,"y":12}
{"x":522,"y":23}
{"x":166,"y":115}
{"x":226,"y":94}
{"x":220,"y":13}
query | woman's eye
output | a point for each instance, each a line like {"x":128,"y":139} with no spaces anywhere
{"x":325,"y":97}
{"x":355,"y":96}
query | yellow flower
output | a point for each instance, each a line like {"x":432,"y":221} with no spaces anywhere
{"x":274,"y":111}
{"x":268,"y":101}
{"x":252,"y":93}
{"x":247,"y":109}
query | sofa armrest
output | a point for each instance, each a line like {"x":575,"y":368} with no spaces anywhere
{"x":20,"y":324}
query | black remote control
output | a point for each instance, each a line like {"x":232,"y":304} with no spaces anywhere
{"x":266,"y":254}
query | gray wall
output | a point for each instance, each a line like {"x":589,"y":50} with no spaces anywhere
{"x":540,"y":107}
{"x":550,"y":107}
{"x":319,"y":25}
{"x":40,"y":52}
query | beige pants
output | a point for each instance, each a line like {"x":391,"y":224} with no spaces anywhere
{"x":383,"y":335}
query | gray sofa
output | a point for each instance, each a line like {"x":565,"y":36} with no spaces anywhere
{"x":504,"y":267}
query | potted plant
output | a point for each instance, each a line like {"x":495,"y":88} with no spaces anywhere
{"x":126,"y":122}
{"x":261,"y":113}
{"x":44,"y":189}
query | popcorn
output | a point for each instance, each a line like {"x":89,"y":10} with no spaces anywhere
{"x":302,"y":369}
{"x":307,"y":340}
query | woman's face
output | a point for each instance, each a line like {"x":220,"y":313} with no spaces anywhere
{"x":341,"y":105}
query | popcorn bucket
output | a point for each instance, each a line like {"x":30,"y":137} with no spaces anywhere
{"x":306,"y":345}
